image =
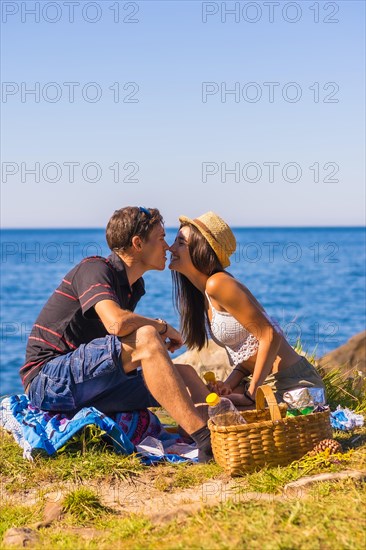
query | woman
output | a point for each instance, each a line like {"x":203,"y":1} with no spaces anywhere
{"x":211,"y":300}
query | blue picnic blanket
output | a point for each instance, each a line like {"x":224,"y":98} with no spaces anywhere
{"x":36,"y":430}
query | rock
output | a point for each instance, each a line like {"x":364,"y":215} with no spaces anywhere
{"x":349,"y":358}
{"x":20,"y":537}
{"x":212,"y":357}
{"x":52,"y":512}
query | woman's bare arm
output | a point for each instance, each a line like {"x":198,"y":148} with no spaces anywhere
{"x":233,"y":297}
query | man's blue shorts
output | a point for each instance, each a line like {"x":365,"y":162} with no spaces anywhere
{"x":92,"y":375}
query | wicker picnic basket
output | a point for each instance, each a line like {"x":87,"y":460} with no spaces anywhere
{"x":269,"y":438}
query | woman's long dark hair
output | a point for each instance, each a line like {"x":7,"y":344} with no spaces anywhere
{"x":189,"y":301}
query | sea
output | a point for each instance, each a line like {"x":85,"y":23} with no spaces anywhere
{"x":311,"y":281}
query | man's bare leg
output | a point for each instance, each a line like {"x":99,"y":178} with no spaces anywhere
{"x":145,"y":347}
{"x":196,"y":387}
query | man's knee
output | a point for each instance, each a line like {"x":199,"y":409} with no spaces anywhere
{"x":147,"y":335}
{"x":141,"y":337}
{"x":143,"y":344}
{"x":148,"y":342}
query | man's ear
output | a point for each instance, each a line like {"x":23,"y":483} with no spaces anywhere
{"x":137,"y":242}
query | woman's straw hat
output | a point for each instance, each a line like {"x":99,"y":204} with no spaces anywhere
{"x":217,"y":233}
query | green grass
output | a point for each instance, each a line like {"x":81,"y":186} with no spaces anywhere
{"x":328,"y":518}
{"x":81,"y":463}
{"x":332,"y":519}
{"x":272,"y":480}
{"x":349,"y":392}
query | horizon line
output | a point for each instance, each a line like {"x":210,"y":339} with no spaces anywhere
{"x":71,"y":228}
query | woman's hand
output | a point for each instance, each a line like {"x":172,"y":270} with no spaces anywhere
{"x":221,"y":388}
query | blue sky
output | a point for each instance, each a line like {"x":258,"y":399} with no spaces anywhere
{"x":296,"y":158}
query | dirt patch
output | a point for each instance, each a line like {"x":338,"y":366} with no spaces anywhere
{"x":142,"y":495}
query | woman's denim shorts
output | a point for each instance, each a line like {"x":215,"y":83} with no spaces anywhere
{"x":92,"y":375}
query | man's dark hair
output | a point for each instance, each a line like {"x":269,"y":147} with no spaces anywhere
{"x":128,"y":222}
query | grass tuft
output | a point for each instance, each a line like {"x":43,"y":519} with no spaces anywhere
{"x":84,"y":505}
{"x":341,"y":390}
{"x":89,"y":438}
{"x":347,"y":392}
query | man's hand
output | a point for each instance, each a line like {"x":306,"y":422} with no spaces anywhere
{"x":172,"y":338}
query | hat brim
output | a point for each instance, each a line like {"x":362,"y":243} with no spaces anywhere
{"x":225,"y":262}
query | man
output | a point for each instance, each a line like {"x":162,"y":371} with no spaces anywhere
{"x":87,"y":342}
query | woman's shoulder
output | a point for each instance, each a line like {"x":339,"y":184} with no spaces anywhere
{"x":216,"y":282}
{"x":226,"y":290}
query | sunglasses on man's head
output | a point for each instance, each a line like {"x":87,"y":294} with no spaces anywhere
{"x":142,"y":210}
{"x":145,"y":211}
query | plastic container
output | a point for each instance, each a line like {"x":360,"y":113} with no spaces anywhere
{"x":222,"y":412}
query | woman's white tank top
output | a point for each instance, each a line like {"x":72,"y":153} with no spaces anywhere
{"x":227,"y":331}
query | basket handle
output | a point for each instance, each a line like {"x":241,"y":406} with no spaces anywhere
{"x":265,"y":395}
